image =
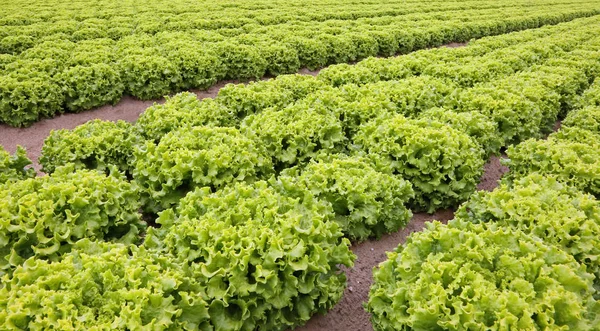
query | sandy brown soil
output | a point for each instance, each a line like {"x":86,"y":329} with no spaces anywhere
{"x":455,"y":45}
{"x":493,"y":171}
{"x":32,"y":138}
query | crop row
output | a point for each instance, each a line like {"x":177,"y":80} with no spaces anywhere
{"x":285,"y":122}
{"x":256,"y":190}
{"x":117,"y":19}
{"x":70,"y":74}
{"x":531,"y":245}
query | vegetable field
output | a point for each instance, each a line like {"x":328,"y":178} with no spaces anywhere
{"x":72,"y":56}
{"x":254,"y":208}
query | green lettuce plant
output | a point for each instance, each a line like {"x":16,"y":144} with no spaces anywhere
{"x":296,"y":134}
{"x":86,"y":87}
{"x":102,"y":286}
{"x":476,"y":277}
{"x":476,"y":125}
{"x":27,"y":97}
{"x":183,"y":109}
{"x":585,"y":118}
{"x":443,"y":164}
{"x":517,"y":118}
{"x":14,"y":167}
{"x":546,"y":208}
{"x":591,"y":96}
{"x":366,"y":202}
{"x":574,"y":162}
{"x":96,"y":144}
{"x":277,"y":93}
{"x":193,"y":157}
{"x":45,"y":216}
{"x":266,"y":260}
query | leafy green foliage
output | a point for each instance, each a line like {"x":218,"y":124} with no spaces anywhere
{"x":585,"y":118}
{"x":340,"y":48}
{"x":105,"y":286}
{"x":281,"y":59}
{"x":566,"y":78}
{"x":474,"y":124}
{"x":366,"y":203}
{"x":148,"y":76}
{"x":242,"y":61}
{"x":277,"y":93}
{"x":183,"y":109}
{"x":443,"y":164}
{"x":591,"y":96}
{"x":14,"y":167}
{"x":78,"y":57}
{"x":25,"y":98}
{"x":466,"y":276}
{"x":517,"y":118}
{"x":267,"y":261}
{"x":45,"y":216}
{"x":546,"y":208}
{"x":199,"y":70}
{"x":94,"y":145}
{"x":296,"y":134}
{"x":416,"y":94}
{"x":86,"y":87}
{"x":574,"y":162}
{"x":193,"y":157}
{"x":543,"y":88}
{"x":577,"y":135}
{"x":351,"y":104}
{"x":312,"y":53}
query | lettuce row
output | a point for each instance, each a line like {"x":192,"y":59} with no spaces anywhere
{"x":474,"y":276}
{"x":24,"y":98}
{"x":102,"y":286}
{"x":15,"y":167}
{"x":193,"y":157}
{"x":183,"y":109}
{"x":267,"y":261}
{"x":367,"y":203}
{"x":257,"y":96}
{"x":295,"y":134}
{"x":482,"y":61}
{"x":546,"y":208}
{"x":517,"y":118}
{"x":476,"y":125}
{"x":574,"y":162}
{"x":57,"y":72}
{"x":44,"y":216}
{"x":443,"y":164}
{"x":591,"y":96}
{"x":96,"y":144}
{"x":587,"y":118}
{"x":86,"y":87}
